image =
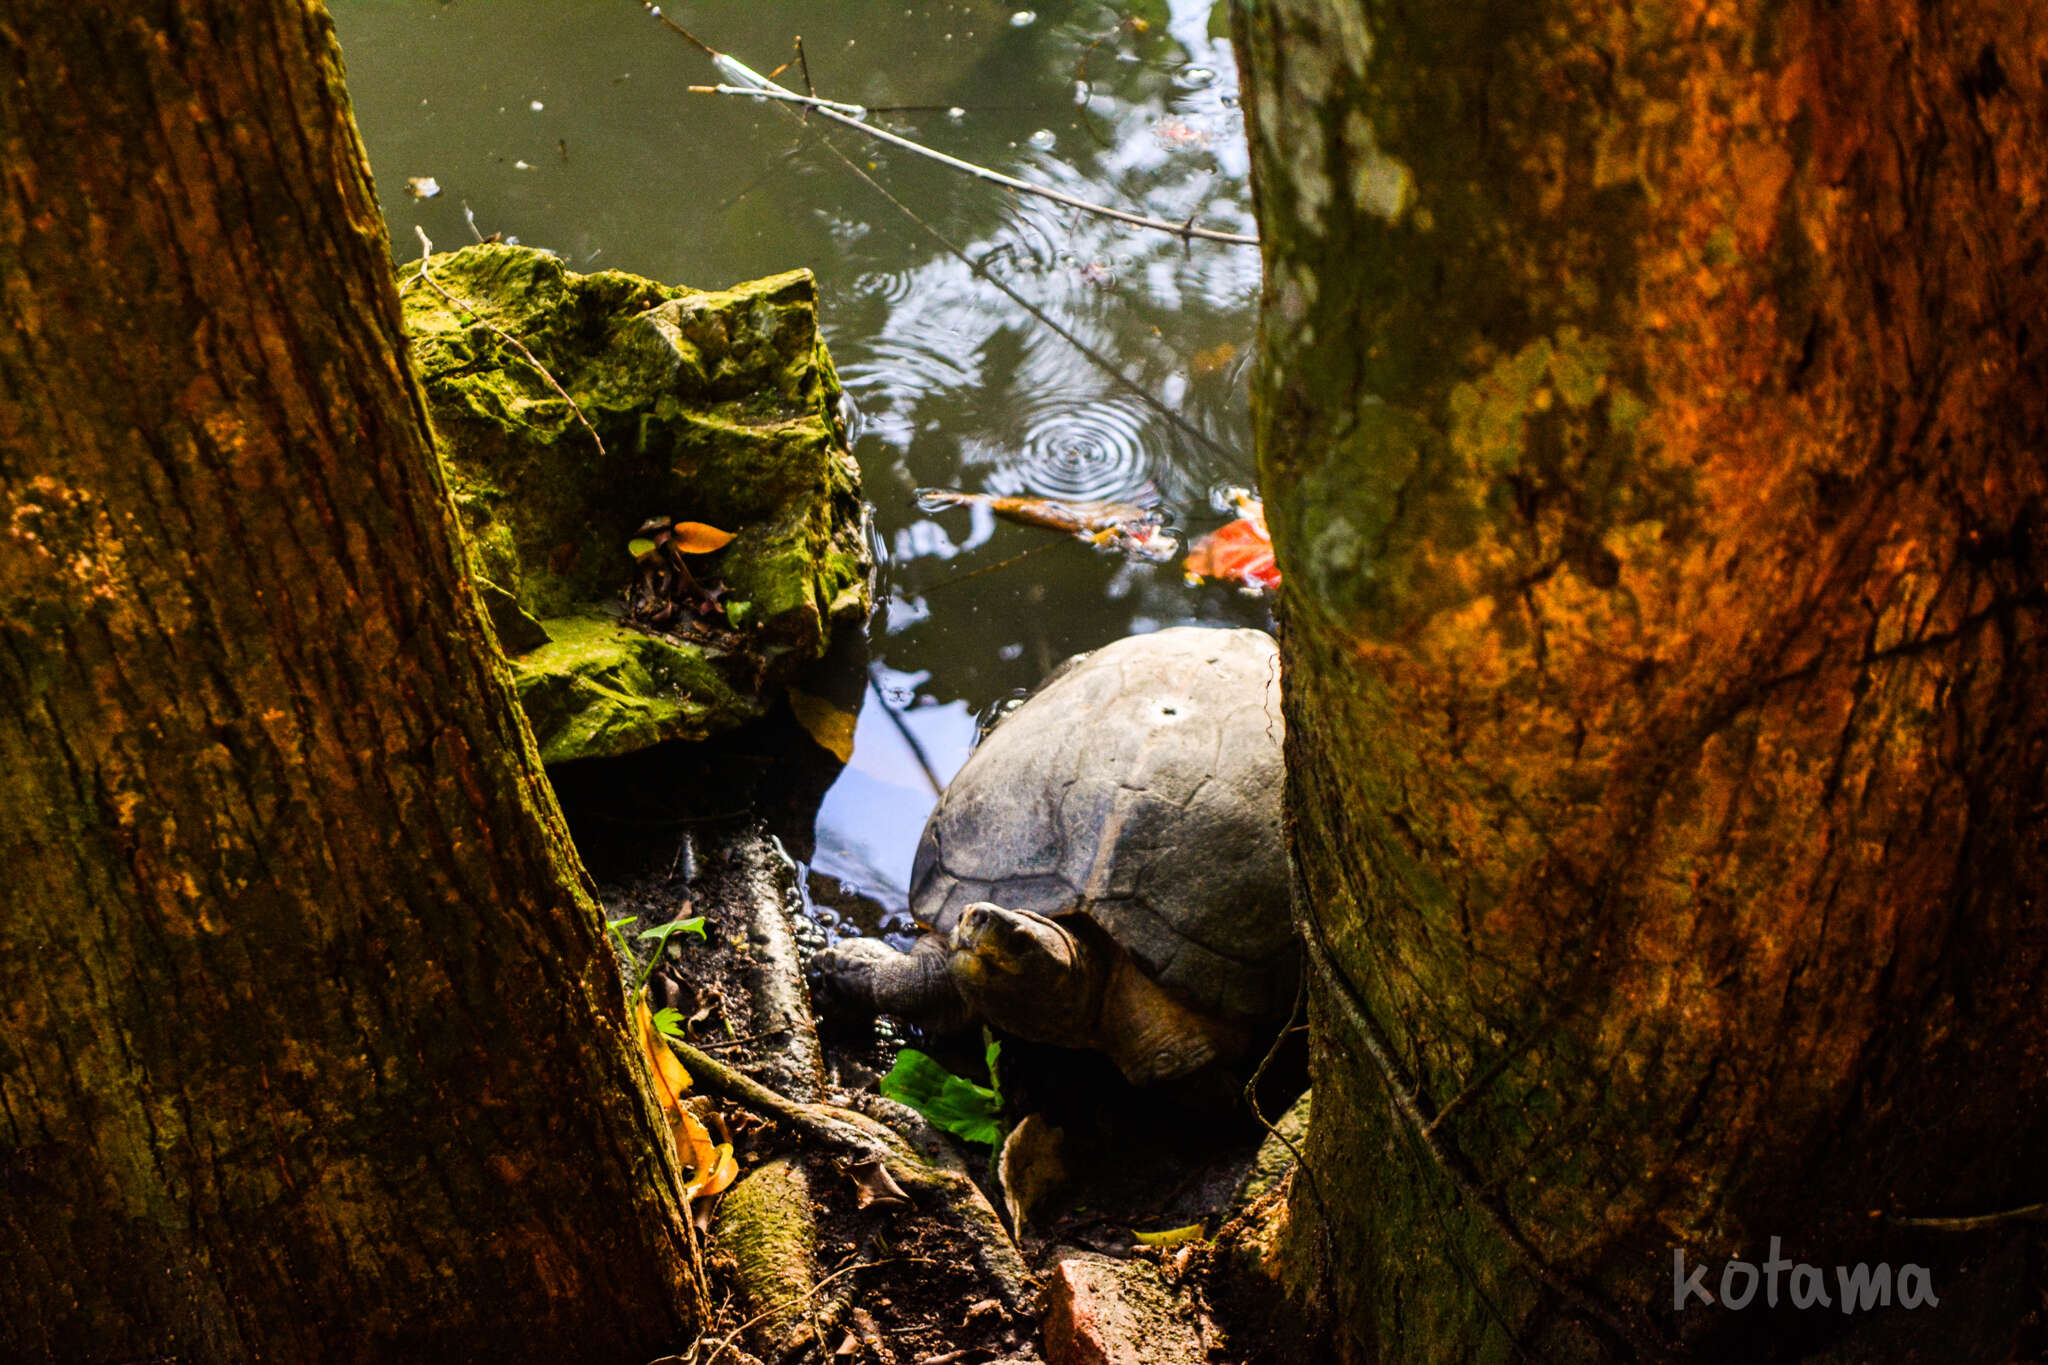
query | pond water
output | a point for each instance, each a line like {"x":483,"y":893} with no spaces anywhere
{"x":572,"y":127}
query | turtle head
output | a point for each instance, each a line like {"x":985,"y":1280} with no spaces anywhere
{"x":1023,"y":973}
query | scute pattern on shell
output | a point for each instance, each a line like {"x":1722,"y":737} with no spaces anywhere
{"x":1141,"y":786}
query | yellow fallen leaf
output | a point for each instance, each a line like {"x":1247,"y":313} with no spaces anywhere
{"x":826,"y":723}
{"x":696,"y":538}
{"x":670,"y":1079}
{"x":695,"y":1150}
{"x":1170,"y":1237}
{"x":711,"y":1167}
{"x":723,"y":1173}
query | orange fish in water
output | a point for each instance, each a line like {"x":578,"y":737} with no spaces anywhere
{"x":1239,"y":552}
{"x":1117,"y":525}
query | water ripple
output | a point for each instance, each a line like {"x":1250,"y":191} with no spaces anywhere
{"x":1092,"y":449}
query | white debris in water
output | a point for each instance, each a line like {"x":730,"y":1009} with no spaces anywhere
{"x":956,"y":112}
{"x":1024,"y":18}
{"x":522,"y":166}
{"x":423,"y":187}
{"x":536,"y":106}
{"x":1043,"y":139}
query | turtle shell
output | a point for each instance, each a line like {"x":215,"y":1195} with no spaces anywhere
{"x":1139,"y":786}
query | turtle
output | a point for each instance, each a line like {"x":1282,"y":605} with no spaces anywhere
{"x":1107,"y":870}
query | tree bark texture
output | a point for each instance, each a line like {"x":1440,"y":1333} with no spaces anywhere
{"x":313,"y":1049}
{"x":1651,"y":416}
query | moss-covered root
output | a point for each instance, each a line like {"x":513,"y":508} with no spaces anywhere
{"x":917,"y":1158}
{"x":767,"y":1224}
{"x":962,"y":1200}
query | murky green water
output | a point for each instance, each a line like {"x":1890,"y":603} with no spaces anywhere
{"x":570,"y":126}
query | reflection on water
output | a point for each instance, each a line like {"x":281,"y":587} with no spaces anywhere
{"x":570,"y":127}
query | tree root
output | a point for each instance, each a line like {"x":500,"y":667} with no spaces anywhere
{"x":913,"y":1154}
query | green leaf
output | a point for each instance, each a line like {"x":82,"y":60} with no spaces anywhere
{"x":961,"y":1107}
{"x":639,"y":547}
{"x":661,"y":935}
{"x":692,"y":925}
{"x":669,"y":1022}
{"x":617,"y":929}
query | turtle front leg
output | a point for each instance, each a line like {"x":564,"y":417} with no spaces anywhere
{"x":866,"y":974}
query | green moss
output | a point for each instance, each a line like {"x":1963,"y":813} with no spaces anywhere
{"x":600,"y":688}
{"x":719,"y":407}
{"x":766,"y":1223}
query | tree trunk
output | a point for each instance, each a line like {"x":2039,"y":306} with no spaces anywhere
{"x":313,"y":1048}
{"x":1651,"y":416}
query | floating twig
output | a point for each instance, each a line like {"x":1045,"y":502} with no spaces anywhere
{"x":778,"y":93}
{"x":981,"y":271}
{"x":751,"y":84}
{"x":426,"y":250}
{"x":804,"y":65}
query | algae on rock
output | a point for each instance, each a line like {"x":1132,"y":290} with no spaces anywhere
{"x":719,"y":407}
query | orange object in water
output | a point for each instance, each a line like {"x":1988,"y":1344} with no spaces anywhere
{"x":1239,"y":552}
{"x":1121,"y":525}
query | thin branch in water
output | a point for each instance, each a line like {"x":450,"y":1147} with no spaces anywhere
{"x":1095,"y":357}
{"x":751,"y":84}
{"x":1002,"y":563}
{"x":426,"y":250}
{"x":924,"y":761}
{"x":776,"y":92}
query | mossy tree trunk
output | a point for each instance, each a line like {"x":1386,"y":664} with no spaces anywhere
{"x":1652,"y":414}
{"x":313,"y":1048}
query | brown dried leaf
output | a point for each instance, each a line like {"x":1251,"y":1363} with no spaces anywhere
{"x":1030,"y":1169}
{"x":874,"y":1185}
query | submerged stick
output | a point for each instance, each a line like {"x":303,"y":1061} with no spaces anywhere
{"x":999,"y":564}
{"x":924,"y":761}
